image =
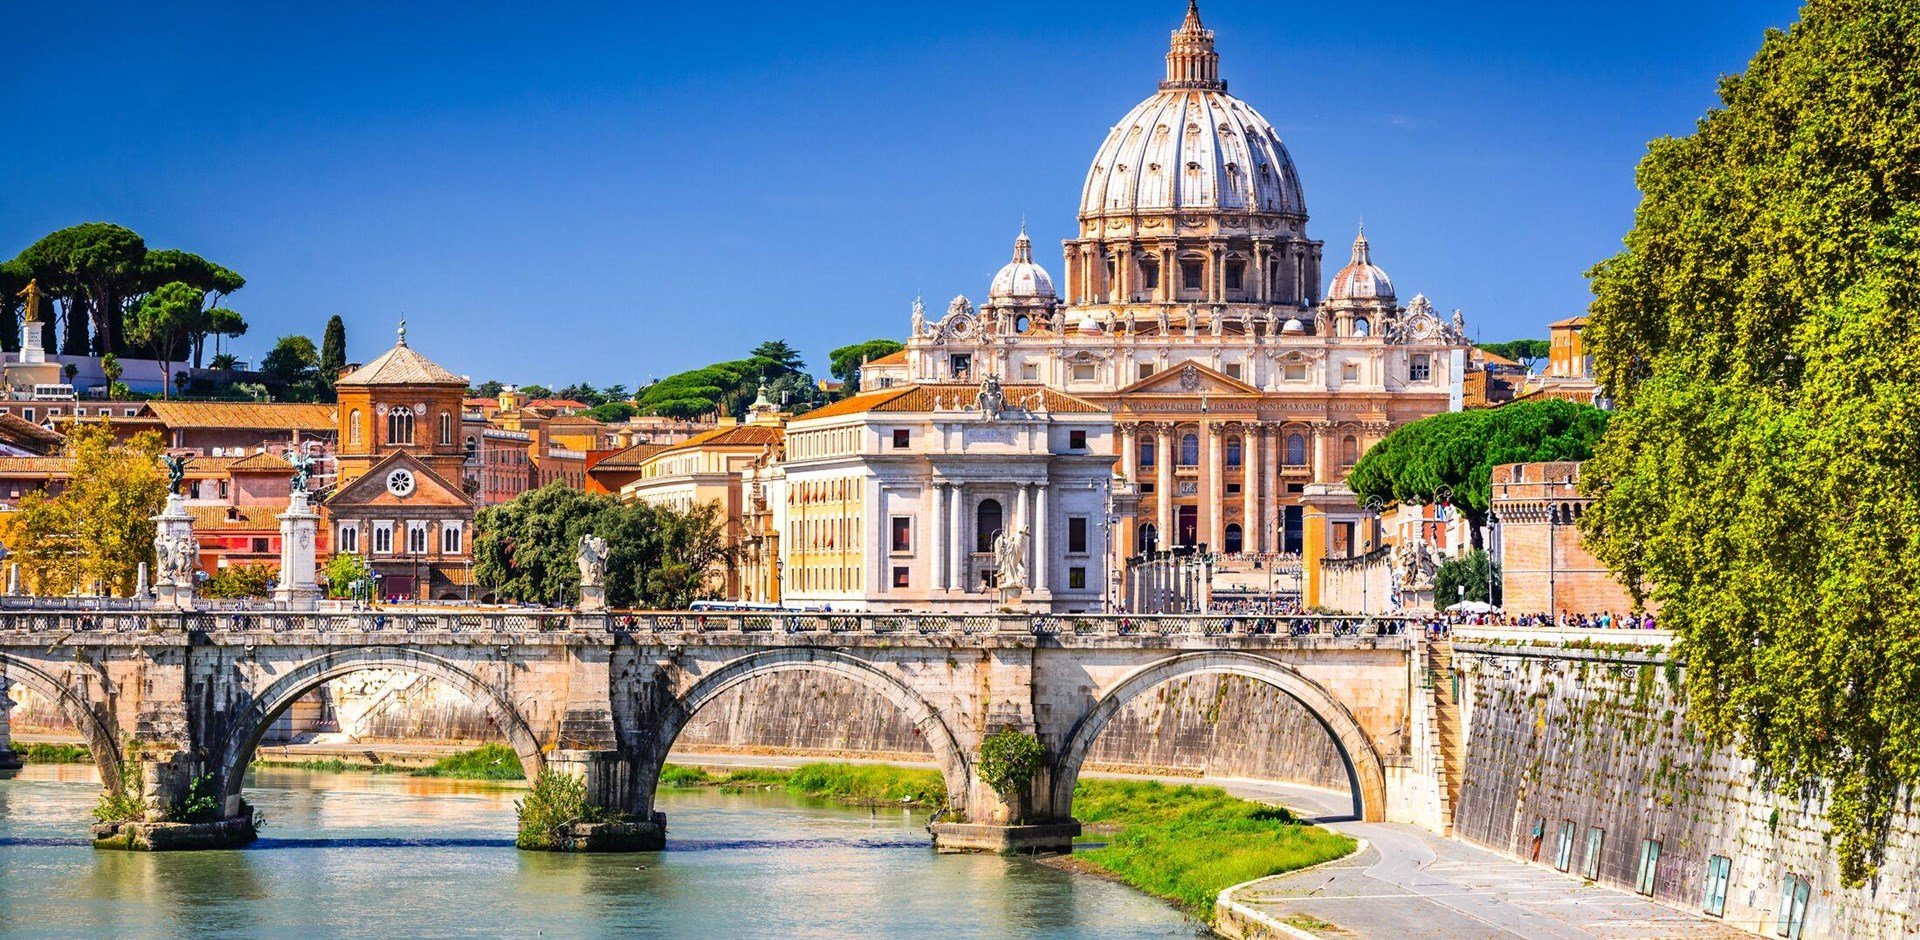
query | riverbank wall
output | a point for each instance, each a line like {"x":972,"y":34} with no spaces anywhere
{"x":1583,"y":759}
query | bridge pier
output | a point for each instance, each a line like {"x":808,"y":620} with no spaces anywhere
{"x":614,"y":781}
{"x":10,"y":762}
{"x":176,"y":806}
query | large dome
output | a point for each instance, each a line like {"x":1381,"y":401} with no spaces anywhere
{"x":1192,"y":146}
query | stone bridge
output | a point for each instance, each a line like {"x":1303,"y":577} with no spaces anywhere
{"x":172,"y":697}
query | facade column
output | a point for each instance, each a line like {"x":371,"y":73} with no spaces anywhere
{"x":1123,"y":273}
{"x":1023,"y":520}
{"x":937,"y":538}
{"x":956,"y":538}
{"x":1216,"y":274}
{"x":1163,"y":484}
{"x":1215,"y":489}
{"x":1129,"y":453}
{"x":1320,"y":434}
{"x":1250,"y":489}
{"x":1270,"y":497}
{"x":1041,"y":550}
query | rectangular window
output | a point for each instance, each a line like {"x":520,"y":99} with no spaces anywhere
{"x":1294,"y":371}
{"x":450,"y":538}
{"x":1420,"y":367}
{"x":1649,"y":865}
{"x":1076,"y":440}
{"x":1077,"y":535}
{"x":1590,"y":866}
{"x":959,"y":364}
{"x":902,"y":534}
{"x":1191,"y":276}
{"x":1233,"y":488}
{"x":1142,"y":370}
{"x":1342,"y":538}
{"x":1793,"y":906}
{"x":902,"y":438}
{"x":26,"y":413}
{"x":1719,"y":867}
{"x":1085,"y":372}
{"x":1030,"y":371}
{"x":1350,"y":372}
{"x":1077,"y":577}
{"x":1236,"y":274}
{"x":350,"y":539}
{"x":383,"y":538}
{"x":416,"y":538}
{"x":1563,"y":853}
{"x":1232,"y":370}
{"x":900,"y":576}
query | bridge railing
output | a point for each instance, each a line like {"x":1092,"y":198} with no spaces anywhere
{"x":402,"y":621}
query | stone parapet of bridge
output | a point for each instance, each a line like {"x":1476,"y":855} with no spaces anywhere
{"x":604,"y":696}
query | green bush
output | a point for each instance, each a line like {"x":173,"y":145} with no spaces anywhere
{"x":121,"y":802}
{"x":238,"y":581}
{"x":199,"y":805}
{"x":47,"y":753}
{"x":487,"y":762}
{"x":554,"y":803}
{"x":1009,"y":759}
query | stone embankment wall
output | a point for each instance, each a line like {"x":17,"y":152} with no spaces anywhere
{"x":1597,"y":743}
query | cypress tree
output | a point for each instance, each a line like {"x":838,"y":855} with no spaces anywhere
{"x":333,"y":350}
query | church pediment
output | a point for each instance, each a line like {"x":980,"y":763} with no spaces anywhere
{"x":1189,"y":378}
{"x":399,"y":481}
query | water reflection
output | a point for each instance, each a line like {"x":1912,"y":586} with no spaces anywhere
{"x":390,"y":855}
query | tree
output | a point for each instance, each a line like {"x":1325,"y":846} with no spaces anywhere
{"x":95,"y":267}
{"x":14,"y":275}
{"x":491,"y":388}
{"x":111,"y":369}
{"x":1527,"y":352}
{"x":784,"y":358}
{"x":1758,"y":331}
{"x":612,"y":412}
{"x":237,"y":581}
{"x":847,"y":360}
{"x":525,"y":549}
{"x":164,"y":320}
{"x":343,"y":571}
{"x":1459,"y":449}
{"x":1467,"y":578}
{"x":293,"y":363}
{"x":333,"y":350}
{"x":169,"y":265}
{"x":97,"y":531}
{"x":221,"y":323}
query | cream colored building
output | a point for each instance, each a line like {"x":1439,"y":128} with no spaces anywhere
{"x":1192,"y":311}
{"x":896,"y":499}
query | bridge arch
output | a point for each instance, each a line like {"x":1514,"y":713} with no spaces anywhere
{"x":250,"y":724}
{"x":947,"y":752}
{"x":102,"y":742}
{"x":1366,"y":772}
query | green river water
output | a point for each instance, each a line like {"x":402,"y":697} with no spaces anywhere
{"x":363,"y":855}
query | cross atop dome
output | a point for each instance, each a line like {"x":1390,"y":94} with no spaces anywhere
{"x":1192,"y":63}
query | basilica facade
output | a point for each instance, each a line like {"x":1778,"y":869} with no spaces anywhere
{"x":1192,"y":310}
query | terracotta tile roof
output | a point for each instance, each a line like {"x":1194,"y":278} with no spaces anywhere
{"x":1580,"y":320}
{"x":565,"y":420}
{"x":260,"y":461}
{"x":28,"y":436}
{"x":401,"y":366}
{"x":739,"y":435}
{"x":631,"y":458}
{"x":253,"y":416}
{"x":557,"y":403}
{"x":244,"y":517}
{"x":1492,"y":357}
{"x":896,"y":358}
{"x":47,"y":466}
{"x":922,"y":398}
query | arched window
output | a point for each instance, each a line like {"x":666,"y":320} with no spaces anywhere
{"x":1349,"y":451}
{"x":446,"y":427}
{"x":353,"y":426}
{"x":1146,"y":452}
{"x":1361,"y":327}
{"x":400,"y":426}
{"x":986,"y":525}
{"x":1190,"y":450}
{"x":1296,"y":450}
{"x":1233,"y":451}
{"x":1149,"y":537}
{"x":1234,"y":538}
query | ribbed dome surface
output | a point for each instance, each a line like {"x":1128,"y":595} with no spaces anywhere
{"x":1361,"y":279}
{"x":1192,"y":149}
{"x":1021,"y":279}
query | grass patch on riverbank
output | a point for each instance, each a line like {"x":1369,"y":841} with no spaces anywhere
{"x":856,"y":784}
{"x":1187,"y":843}
{"x":486,"y":762}
{"x":46,"y":752}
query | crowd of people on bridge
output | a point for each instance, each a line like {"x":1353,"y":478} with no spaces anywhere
{"x":1567,"y":620}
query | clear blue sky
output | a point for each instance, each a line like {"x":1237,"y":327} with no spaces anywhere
{"x":562,"y":192}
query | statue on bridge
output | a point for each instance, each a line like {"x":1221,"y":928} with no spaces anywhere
{"x":176,"y":472}
{"x":1010,"y":559}
{"x":178,"y":558}
{"x":302,"y":471}
{"x":592,"y":558}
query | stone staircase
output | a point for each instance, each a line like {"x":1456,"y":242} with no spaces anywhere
{"x":1446,"y":724}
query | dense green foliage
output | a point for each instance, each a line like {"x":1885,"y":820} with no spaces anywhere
{"x":1187,"y":843}
{"x":293,"y":366}
{"x":1523,"y":351}
{"x":343,"y":570}
{"x":41,"y":752}
{"x":97,"y":274}
{"x":555,"y":802}
{"x":121,"y":800}
{"x":333,"y":351}
{"x":847,"y":360}
{"x":1459,"y":449}
{"x":727,"y":388}
{"x":656,"y":557}
{"x":487,"y":762}
{"x":1763,"y":473}
{"x":235,"y":581}
{"x":1466,"y":579}
{"x":163,"y":322}
{"x":1009,"y":759}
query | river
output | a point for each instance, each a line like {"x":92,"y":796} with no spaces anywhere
{"x":370,"y":855}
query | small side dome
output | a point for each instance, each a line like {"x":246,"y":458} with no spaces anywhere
{"x":1022,"y":281}
{"x":1361,"y":279}
{"x":1293,"y":325}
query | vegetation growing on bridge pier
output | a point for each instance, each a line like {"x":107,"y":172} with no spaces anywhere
{"x":554,"y":804}
{"x":854,"y":784}
{"x":48,"y":752}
